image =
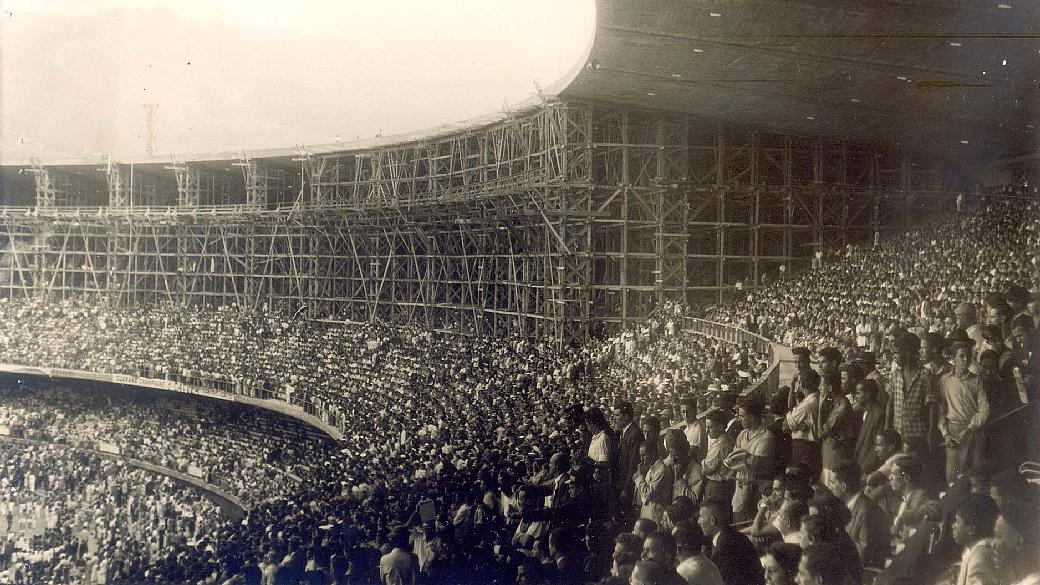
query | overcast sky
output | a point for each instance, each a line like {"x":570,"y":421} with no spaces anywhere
{"x":77,"y":77}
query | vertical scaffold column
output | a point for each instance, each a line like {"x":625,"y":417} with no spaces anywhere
{"x":48,"y":194}
{"x":188,"y":188}
{"x":118,"y":186}
{"x":256,"y":180}
{"x":720,"y":218}
{"x":874,"y":184}
{"x":671,"y":208}
{"x":570,"y":255}
{"x":313,"y":171}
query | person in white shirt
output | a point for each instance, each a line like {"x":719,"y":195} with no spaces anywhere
{"x":690,"y":425}
{"x":802,"y":424}
{"x":718,"y":479}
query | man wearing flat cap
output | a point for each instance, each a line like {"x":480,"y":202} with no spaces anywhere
{"x":913,"y":408}
{"x":963,"y":409}
{"x":967,"y":319}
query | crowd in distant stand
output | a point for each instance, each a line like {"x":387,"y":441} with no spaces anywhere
{"x":253,"y":457}
{"x":77,"y":517}
{"x":628,"y":461}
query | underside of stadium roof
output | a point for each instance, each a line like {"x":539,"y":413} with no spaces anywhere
{"x":699,"y":147}
{"x":958,"y":79}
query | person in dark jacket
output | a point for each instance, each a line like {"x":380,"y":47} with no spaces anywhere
{"x":628,"y":459}
{"x":731,"y":551}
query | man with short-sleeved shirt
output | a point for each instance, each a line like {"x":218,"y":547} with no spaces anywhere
{"x":801,"y":423}
{"x":691,"y":426}
{"x":752,"y":459}
{"x":913,"y":408}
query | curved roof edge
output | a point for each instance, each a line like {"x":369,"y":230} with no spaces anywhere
{"x":531,"y":103}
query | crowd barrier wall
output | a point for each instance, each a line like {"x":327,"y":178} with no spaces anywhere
{"x":294,"y":406}
{"x":769,"y":382}
{"x":184,"y":477}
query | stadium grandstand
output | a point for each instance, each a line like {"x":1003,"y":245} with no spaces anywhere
{"x":750,"y":296}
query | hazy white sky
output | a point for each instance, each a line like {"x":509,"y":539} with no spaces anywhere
{"x":76,"y":75}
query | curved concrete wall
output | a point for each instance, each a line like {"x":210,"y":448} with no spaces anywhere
{"x":183,"y":477}
{"x":174,"y":386}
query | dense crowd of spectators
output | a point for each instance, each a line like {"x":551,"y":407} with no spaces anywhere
{"x":69,"y":516}
{"x":453,"y":411}
{"x":254,"y":457}
{"x":652,"y":457}
{"x":975,"y":262}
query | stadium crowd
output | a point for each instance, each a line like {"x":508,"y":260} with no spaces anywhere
{"x":68,"y":516}
{"x":253,"y":457}
{"x":960,"y":270}
{"x":652,"y":457}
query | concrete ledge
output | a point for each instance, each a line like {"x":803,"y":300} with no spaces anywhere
{"x":173,"y":386}
{"x":183,"y":477}
{"x":769,"y":382}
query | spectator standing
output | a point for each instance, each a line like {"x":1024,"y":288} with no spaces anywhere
{"x":801,"y":423}
{"x":872,"y":419}
{"x":686,"y":470}
{"x":963,"y":410}
{"x":912,"y":411}
{"x":836,"y":422}
{"x":628,"y":457}
{"x":932,"y":347}
{"x":691,"y":426}
{"x":718,"y":481}
{"x":967,"y":319}
{"x":868,"y":361}
{"x":1024,"y":360}
{"x":603,"y":444}
{"x":802,"y":362}
{"x":654,"y":481}
{"x":752,"y":459}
